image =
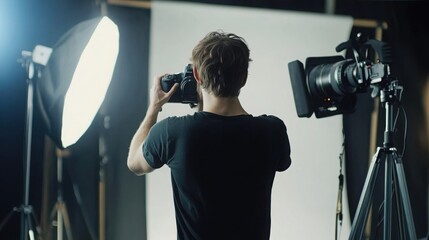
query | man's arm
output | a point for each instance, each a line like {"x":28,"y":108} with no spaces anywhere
{"x":136,"y":161}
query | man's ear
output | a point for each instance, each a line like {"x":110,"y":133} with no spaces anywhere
{"x":196,"y":75}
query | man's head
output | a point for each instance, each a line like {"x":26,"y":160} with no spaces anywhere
{"x":221,"y":60}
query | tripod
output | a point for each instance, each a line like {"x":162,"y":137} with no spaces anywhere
{"x":59,"y":216}
{"x":394,"y":178}
{"x":26,"y":210}
{"x":60,"y":207}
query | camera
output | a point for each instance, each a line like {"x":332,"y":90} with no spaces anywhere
{"x":187,"y":91}
{"x":328,"y":85}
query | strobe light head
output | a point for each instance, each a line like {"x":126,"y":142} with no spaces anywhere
{"x":328,"y":86}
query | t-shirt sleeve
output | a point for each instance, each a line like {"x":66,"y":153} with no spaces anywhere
{"x":155,"y":146}
{"x":284,"y":161}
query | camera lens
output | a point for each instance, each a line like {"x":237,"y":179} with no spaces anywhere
{"x":333,"y":80}
{"x":189,"y":89}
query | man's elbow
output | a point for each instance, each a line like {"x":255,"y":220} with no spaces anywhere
{"x":134,"y":168}
{"x":138,"y":166}
{"x":133,"y":165}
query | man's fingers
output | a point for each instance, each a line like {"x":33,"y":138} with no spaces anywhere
{"x":173,"y":89}
{"x":157,"y":80}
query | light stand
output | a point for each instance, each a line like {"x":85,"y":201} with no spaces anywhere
{"x":60,"y":207}
{"x":394,"y":177}
{"x":26,"y":209}
{"x":29,"y":60}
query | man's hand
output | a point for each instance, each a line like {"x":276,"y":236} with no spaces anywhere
{"x":157,"y":96}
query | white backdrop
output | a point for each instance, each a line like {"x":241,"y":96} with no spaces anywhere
{"x":305,"y":196}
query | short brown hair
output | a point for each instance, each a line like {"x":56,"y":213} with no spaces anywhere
{"x":222,"y":61}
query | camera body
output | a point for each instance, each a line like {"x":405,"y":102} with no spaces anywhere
{"x":187,"y":91}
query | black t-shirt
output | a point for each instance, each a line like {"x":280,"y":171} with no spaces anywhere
{"x":222,"y":171}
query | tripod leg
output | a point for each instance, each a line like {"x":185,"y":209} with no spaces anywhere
{"x":30,"y":227}
{"x":60,"y":224}
{"x":84,"y":212}
{"x":405,"y":200}
{"x":24,"y":223}
{"x":399,"y":209}
{"x":60,"y":211}
{"x":57,"y":219}
{"x":387,"y":221}
{"x":364,"y":201}
{"x":66,"y":221}
{"x":35,"y":221}
{"x":27,"y":230}
{"x":6,"y":219}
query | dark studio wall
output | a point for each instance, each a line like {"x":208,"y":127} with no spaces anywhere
{"x":27,"y":23}
{"x":125,"y":198}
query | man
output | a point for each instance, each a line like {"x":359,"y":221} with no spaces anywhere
{"x":222,"y":159}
